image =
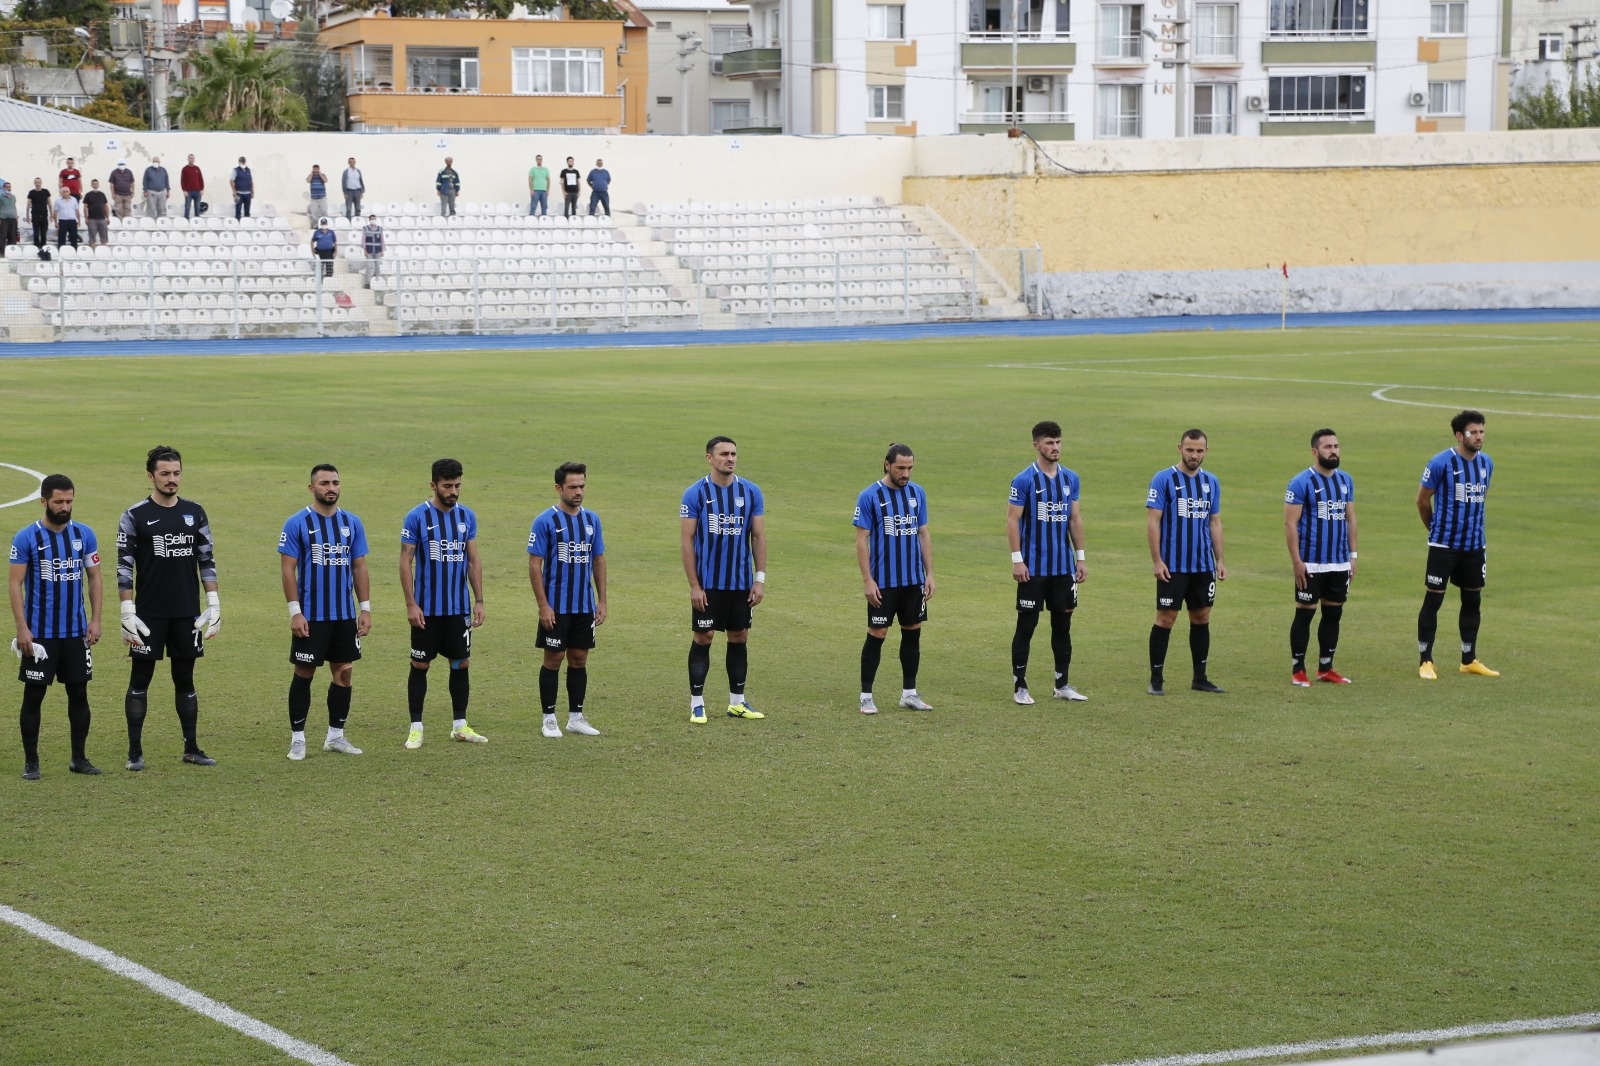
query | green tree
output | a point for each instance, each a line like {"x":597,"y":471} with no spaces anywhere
{"x":71,"y":12}
{"x":319,"y":77}
{"x":241,"y":87}
{"x":1552,"y":108}
{"x":65,"y":46}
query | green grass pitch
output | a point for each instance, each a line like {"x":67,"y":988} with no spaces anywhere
{"x":985,"y":883}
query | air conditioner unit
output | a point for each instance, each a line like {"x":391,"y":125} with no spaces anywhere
{"x":127,"y":35}
{"x":716,"y":64}
{"x":1419,"y":99}
{"x":1038,"y":84}
{"x":1255,"y":103}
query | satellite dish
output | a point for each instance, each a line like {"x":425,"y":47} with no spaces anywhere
{"x":281,"y":9}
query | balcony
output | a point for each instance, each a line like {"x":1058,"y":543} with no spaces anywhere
{"x":1294,"y":51}
{"x":1035,"y":50}
{"x":1040,"y":125}
{"x":753,"y":125}
{"x":745,"y":59}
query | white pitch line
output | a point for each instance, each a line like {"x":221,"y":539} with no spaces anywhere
{"x":30,"y":473}
{"x":188,"y":997}
{"x":1353,"y":1043}
{"x":1379,"y":395}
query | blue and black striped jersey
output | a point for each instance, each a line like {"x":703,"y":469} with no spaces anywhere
{"x":55,"y":587}
{"x":568,"y":544}
{"x":1047,"y":504}
{"x":722,"y":514}
{"x":1460,"y":494}
{"x":892,"y":518}
{"x":1324,"y":532}
{"x":1186,"y":503}
{"x":325,"y":547}
{"x":439,"y":572}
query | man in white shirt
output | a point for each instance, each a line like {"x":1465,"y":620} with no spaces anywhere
{"x":353,"y":186}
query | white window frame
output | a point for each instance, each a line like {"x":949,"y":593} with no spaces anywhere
{"x":886,"y":22}
{"x":1318,"y":19}
{"x":1221,"y":119}
{"x":731,"y":115}
{"x":1317,"y":88}
{"x":725,"y":39}
{"x":1558,"y":52}
{"x":1447,"y":98}
{"x":1216,"y":31}
{"x":534,"y":71}
{"x":1118,"y":111}
{"x":1120,"y":37}
{"x":1447,"y":18}
{"x":886,"y":103}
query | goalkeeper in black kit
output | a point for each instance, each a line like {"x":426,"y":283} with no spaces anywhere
{"x":164,"y":558}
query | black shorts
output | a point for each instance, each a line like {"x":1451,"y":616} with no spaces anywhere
{"x":449,"y":635}
{"x":1464,"y":570}
{"x":1330,"y":585}
{"x":1194,"y":591}
{"x":67,"y":659}
{"x":571,"y":631}
{"x":174,"y":637}
{"x":328,"y":642}
{"x":903,"y":603}
{"x":727,"y":610}
{"x":1057,"y":593}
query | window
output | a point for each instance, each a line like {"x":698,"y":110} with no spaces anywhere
{"x":1318,"y":95}
{"x":1318,"y":18}
{"x":729,"y":114}
{"x":663,"y":101}
{"x":1046,"y":19}
{"x":441,"y":70}
{"x":1117,"y":113}
{"x":1213,"y":109}
{"x":886,"y":103}
{"x":1448,"y":19}
{"x":728,"y":39}
{"x":1447,"y":97}
{"x":1216,"y":31}
{"x":569,"y":71}
{"x":1552,"y":46}
{"x":664,"y":27}
{"x":1119,"y":31}
{"x":886,"y":22}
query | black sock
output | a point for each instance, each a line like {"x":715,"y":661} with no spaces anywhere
{"x":871,"y":655}
{"x":460,"y":690}
{"x":299,"y":703}
{"x":1159,"y":638}
{"x":1428,"y":624}
{"x":1471,"y":616}
{"x":577,"y":688}
{"x":1199,"y":648}
{"x":188,"y":704}
{"x":78,"y":716}
{"x":1300,"y":638}
{"x":549,"y":688}
{"x":416,"y":694}
{"x":134,"y":708}
{"x":1328,"y":635}
{"x":738,"y":666}
{"x":338,"y":705}
{"x":699,"y":667}
{"x":32,"y":701}
{"x":1061,"y":644}
{"x":1026,"y":622}
{"x":910,"y":656}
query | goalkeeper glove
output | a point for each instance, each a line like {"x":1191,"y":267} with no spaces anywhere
{"x":133,"y":630}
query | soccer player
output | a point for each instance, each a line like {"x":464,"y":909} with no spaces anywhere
{"x":721,"y":527}
{"x":1451,"y":501}
{"x":164,"y":557}
{"x":1319,"y":523}
{"x":1044,"y":527}
{"x":51,"y":562}
{"x":439,"y":545}
{"x":895,"y":553}
{"x":567,"y":568}
{"x":323,"y":552}
{"x":1183,"y":523}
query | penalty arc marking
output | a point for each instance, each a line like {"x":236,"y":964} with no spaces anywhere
{"x":31,"y":496}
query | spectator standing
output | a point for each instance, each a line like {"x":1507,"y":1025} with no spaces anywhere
{"x":193,"y":183}
{"x":156,"y":187}
{"x":66,"y":212}
{"x":538,"y":187}
{"x":569,"y":187}
{"x":39,"y":212}
{"x":8,"y":217}
{"x":600,"y":182}
{"x":325,"y":243}
{"x":243,"y":184}
{"x":372,"y":244}
{"x":448,"y":183}
{"x":97,"y":214}
{"x":354,"y":187}
{"x":72,"y":179}
{"x":122,"y":189}
{"x":317,"y":183}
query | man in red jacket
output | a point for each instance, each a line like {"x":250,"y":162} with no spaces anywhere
{"x":72,"y":179}
{"x":193,"y":183}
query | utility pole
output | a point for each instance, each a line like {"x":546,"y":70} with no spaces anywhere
{"x":688,"y":44}
{"x":1016,"y":97}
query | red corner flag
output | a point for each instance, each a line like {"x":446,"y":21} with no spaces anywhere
{"x":1286,"y":270}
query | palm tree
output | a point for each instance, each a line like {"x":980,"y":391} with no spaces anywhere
{"x":240,"y":87}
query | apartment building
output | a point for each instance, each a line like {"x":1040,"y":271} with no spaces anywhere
{"x":702,"y":98}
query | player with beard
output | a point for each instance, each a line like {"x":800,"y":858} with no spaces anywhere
{"x":1451,"y":501}
{"x":165,"y":557}
{"x":1183,"y":524}
{"x":1319,"y":523}
{"x":567,"y":568}
{"x":1044,"y":526}
{"x":895,"y":553}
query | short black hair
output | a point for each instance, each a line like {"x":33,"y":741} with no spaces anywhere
{"x":53,"y":484}
{"x":161,"y":453}
{"x":320,"y":467}
{"x":896,"y":451}
{"x":446,"y":470}
{"x":1196,"y":434}
{"x":1319,"y":434}
{"x":1041,"y":430}
{"x":1460,"y":422}
{"x":714,"y":441}
{"x":570,"y":468}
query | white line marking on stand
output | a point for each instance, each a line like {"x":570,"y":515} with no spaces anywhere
{"x":30,"y":473}
{"x":188,"y":997}
{"x":1420,"y":1036}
